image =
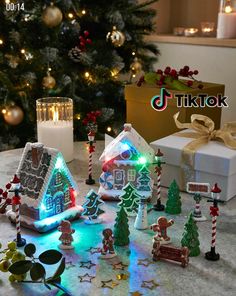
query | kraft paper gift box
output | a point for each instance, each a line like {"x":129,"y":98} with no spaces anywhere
{"x":154,"y":125}
{"x":213,"y":163}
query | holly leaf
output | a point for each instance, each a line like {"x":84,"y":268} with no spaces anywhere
{"x":60,"y":269}
{"x":37,"y":271}
{"x":20,"y":267}
{"x":50,"y":257}
{"x":29,"y":250}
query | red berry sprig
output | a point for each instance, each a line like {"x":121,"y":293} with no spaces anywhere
{"x":91,"y":117}
{"x":84,"y":40}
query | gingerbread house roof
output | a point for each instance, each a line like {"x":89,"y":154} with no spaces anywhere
{"x":127,"y":138}
{"x":36,"y":170}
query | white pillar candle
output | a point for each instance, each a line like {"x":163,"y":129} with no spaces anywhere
{"x":226,"y":25}
{"x":57,"y":134}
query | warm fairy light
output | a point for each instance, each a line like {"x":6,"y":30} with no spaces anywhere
{"x":133,"y":53}
{"x":133,"y":75}
{"x":49,"y":69}
{"x":86,"y":74}
{"x":4,"y":111}
{"x":228,"y":9}
{"x":109,"y":129}
{"x":78,"y":116}
{"x":27,"y":84}
{"x":70,"y":15}
{"x":83,"y":11}
{"x":22,"y":51}
{"x":1,"y":41}
{"x":26,"y":19}
{"x":7,"y":1}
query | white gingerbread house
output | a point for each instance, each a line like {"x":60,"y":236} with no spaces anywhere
{"x":49,"y":189}
{"x":126,"y":159}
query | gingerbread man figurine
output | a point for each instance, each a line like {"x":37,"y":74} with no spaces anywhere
{"x":161,"y":228}
{"x":66,"y":237}
{"x":107,"y":242}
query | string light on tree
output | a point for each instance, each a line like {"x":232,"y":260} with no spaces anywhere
{"x":83,"y":11}
{"x":70,"y":15}
{"x":109,"y":129}
{"x":87,"y":75}
{"x":1,"y":42}
{"x":133,"y":53}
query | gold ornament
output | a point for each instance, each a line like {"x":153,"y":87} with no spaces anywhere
{"x":116,"y":37}
{"x":52,"y":16}
{"x":136,"y":67}
{"x":13,"y":115}
{"x":48,"y":81}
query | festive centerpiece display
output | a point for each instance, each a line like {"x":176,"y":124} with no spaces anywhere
{"x":49,"y":189}
{"x":121,"y":228}
{"x":173,"y":204}
{"x":92,"y":208}
{"x":129,"y":200}
{"x":126,"y":160}
{"x":161,"y":228}
{"x":190,"y":237}
{"x":66,"y":237}
{"x":107,"y":251}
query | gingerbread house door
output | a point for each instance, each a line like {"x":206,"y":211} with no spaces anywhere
{"x":59,"y":203}
{"x":119,"y":179}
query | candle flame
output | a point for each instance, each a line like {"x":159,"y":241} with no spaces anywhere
{"x":55,"y":115}
{"x":228,"y":9}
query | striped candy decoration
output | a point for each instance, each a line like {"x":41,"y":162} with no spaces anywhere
{"x":106,"y":180}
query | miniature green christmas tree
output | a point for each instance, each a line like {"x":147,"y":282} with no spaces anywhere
{"x":190,"y":237}
{"x":92,"y":206}
{"x":129,"y":200}
{"x":144,"y":179}
{"x":173,"y":204}
{"x":121,"y":228}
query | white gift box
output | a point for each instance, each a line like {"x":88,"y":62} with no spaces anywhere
{"x":213,"y":163}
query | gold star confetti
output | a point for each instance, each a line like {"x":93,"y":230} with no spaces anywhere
{"x":136,"y":293}
{"x":86,"y":278}
{"x":145,"y":262}
{"x":93,"y":250}
{"x":149,"y":285}
{"x":109,"y":284}
{"x":87,"y":264}
{"x":122,"y":276}
{"x":119,"y":266}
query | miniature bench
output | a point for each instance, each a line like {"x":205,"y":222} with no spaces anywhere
{"x":170,"y":253}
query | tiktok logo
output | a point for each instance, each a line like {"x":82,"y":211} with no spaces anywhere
{"x":159,"y":103}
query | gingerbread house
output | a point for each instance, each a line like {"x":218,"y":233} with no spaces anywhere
{"x":126,"y":159}
{"x":48,"y":188}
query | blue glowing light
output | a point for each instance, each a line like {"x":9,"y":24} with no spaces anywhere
{"x":59,"y":163}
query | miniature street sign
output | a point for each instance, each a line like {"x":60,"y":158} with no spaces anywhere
{"x":198,"y":188}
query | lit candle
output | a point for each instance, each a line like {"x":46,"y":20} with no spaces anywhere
{"x":190,"y":32}
{"x":55,"y":124}
{"x":227,"y":20}
{"x":207,"y":28}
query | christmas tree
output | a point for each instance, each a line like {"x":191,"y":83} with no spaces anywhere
{"x":121,"y":228}
{"x":190,"y":237}
{"x":173,"y":204}
{"x":69,"y":48}
{"x":129,"y":200}
{"x":144,"y":179}
{"x":91,"y":206}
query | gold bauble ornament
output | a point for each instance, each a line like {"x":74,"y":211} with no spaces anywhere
{"x":116,"y":37}
{"x":48,"y":81}
{"x":136,"y":67}
{"x":52,"y":16}
{"x":14,"y":115}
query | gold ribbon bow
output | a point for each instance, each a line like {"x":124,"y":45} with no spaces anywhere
{"x":203,"y":131}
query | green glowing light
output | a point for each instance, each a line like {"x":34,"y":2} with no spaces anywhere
{"x":142,"y":160}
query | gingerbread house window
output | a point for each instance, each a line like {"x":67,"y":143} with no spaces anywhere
{"x":58,"y":178}
{"x":67,"y":196}
{"x":131,"y":175}
{"x":49,"y":203}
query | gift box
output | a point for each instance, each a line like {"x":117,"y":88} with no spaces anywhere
{"x":212,"y":163}
{"x":154,"y":125}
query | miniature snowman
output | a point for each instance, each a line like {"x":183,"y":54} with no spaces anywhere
{"x":161,"y":228}
{"x":141,"y":218}
{"x":66,"y":237}
{"x":108,"y":241}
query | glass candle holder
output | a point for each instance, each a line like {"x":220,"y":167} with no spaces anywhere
{"x":178,"y":31}
{"x":226,"y":27}
{"x":190,"y":32}
{"x":207,"y":28}
{"x":55,"y":124}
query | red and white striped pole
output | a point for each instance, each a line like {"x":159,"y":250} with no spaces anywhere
{"x":159,"y":157}
{"x":214,"y":212}
{"x":16,"y":188}
{"x":91,"y":148}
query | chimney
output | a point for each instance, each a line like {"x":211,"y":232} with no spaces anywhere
{"x":127,"y":127}
{"x":36,"y":150}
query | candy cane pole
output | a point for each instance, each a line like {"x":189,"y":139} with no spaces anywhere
{"x":159,"y":157}
{"x":214,"y":211}
{"x":16,"y":202}
{"x":91,"y":136}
